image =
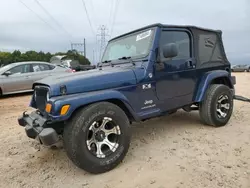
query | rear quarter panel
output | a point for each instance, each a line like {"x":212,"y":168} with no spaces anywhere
{"x":205,"y":77}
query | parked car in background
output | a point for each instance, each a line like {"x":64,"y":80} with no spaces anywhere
{"x":75,"y":65}
{"x":70,"y":63}
{"x":19,"y":77}
{"x":240,"y":68}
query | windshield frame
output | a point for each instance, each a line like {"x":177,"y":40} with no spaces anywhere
{"x":128,"y":35}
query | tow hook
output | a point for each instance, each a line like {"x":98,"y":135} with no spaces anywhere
{"x":24,"y":114}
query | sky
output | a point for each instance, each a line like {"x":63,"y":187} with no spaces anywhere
{"x":64,"y":21}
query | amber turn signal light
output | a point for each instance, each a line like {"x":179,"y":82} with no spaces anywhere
{"x":64,"y":109}
{"x":48,"y":107}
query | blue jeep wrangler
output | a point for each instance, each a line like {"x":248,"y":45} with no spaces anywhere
{"x":146,"y":73}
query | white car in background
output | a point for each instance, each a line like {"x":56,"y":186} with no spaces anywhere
{"x":19,"y":77}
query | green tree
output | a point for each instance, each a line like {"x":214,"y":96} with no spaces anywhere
{"x":5,"y":57}
{"x":17,"y":56}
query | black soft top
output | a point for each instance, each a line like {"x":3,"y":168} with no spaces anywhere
{"x":208,"y":46}
{"x":190,"y":27}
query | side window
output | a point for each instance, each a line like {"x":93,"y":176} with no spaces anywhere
{"x":209,"y":48}
{"x":44,"y":67}
{"x":51,"y":67}
{"x":20,"y":69}
{"x":181,"y":39}
{"x":36,"y":68}
{"x":40,"y":67}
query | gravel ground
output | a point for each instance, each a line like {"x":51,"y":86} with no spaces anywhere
{"x":175,"y":151}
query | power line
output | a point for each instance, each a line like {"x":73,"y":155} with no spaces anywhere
{"x":91,"y":5}
{"x":57,"y":23}
{"x":82,"y":46}
{"x":114,"y":18}
{"x":37,"y":15}
{"x":111,"y":10}
{"x":85,"y":8}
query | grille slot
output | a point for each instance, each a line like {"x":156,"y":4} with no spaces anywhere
{"x":41,"y":95}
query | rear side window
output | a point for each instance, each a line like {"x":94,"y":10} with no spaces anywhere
{"x":44,"y":67}
{"x":40,"y":67}
{"x":51,"y":67}
{"x":181,"y":39}
{"x":209,"y":48}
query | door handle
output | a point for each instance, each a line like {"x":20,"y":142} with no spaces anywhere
{"x":190,"y":64}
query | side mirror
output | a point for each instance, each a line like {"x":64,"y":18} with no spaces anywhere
{"x":170,"y":50}
{"x":7,"y":73}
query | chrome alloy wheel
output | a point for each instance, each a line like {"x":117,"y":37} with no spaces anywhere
{"x":103,"y":137}
{"x":223,"y":106}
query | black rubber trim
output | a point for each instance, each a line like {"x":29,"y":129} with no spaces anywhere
{"x":233,"y":80}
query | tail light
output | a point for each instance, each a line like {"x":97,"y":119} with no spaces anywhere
{"x":70,"y":70}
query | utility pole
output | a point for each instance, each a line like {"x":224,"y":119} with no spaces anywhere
{"x":103,"y":39}
{"x":79,"y":47}
{"x":93,"y":56}
{"x":84,"y":46}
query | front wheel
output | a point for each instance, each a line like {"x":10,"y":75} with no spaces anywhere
{"x":98,"y":137}
{"x":217,"y":106}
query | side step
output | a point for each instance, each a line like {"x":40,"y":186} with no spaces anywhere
{"x":190,"y":108}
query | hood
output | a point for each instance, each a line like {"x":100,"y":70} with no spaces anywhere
{"x":92,"y":80}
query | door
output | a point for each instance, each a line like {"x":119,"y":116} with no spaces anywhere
{"x":40,"y":71}
{"x":19,"y":79}
{"x":175,"y":77}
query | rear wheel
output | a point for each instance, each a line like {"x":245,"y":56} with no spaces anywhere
{"x":98,"y":137}
{"x":217,"y":106}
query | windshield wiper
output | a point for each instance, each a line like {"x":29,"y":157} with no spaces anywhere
{"x":106,"y":61}
{"x":124,"y":57}
{"x":103,"y":62}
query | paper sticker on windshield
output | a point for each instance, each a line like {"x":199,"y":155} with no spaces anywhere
{"x":143,"y":35}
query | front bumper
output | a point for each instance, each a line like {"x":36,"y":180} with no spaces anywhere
{"x":36,"y":128}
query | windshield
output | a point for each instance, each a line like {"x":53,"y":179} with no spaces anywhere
{"x":134,"y":46}
{"x":5,"y":68}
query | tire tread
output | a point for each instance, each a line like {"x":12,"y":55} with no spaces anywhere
{"x":206,"y":105}
{"x":71,"y":134}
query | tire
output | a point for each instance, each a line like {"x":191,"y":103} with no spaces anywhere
{"x":78,"y":131}
{"x":208,"y":107}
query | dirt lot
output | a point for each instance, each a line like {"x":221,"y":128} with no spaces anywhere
{"x":174,"y":151}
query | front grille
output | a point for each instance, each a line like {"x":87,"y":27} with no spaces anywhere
{"x":40,"y":96}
